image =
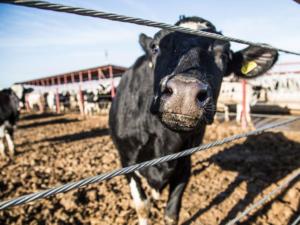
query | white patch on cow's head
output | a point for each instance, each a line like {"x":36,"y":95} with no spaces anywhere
{"x":194,"y":25}
{"x":18,"y":90}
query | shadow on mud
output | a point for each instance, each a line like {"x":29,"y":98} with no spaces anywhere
{"x":45,"y":123}
{"x":260,"y":161}
{"x":98,"y":132}
{"x":39,"y":116}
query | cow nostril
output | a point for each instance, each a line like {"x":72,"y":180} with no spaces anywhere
{"x":168,"y":91}
{"x":202,"y":96}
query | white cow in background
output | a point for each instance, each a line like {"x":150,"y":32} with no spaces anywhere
{"x":35,"y":99}
{"x":51,"y":96}
{"x":74,"y":100}
{"x":89,"y":97}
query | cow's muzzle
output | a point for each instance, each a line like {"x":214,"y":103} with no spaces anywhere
{"x":183,"y":101}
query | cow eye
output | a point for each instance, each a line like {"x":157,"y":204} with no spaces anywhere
{"x":154,"y":48}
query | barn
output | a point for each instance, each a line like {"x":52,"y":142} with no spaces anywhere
{"x":54,"y":91}
{"x":89,"y":74}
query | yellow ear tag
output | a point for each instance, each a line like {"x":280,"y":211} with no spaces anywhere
{"x":248,"y":67}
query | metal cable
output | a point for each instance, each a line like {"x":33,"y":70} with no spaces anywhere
{"x":296,"y":222}
{"x":267,"y":197}
{"x":138,"y":21}
{"x":130,"y":169}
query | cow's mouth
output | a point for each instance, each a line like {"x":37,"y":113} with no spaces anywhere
{"x":179,"y":122}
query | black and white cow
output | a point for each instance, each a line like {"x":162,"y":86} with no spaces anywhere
{"x":64,"y":101}
{"x":96,"y":101}
{"x":34,"y":100}
{"x":166,"y":99}
{"x":11,"y":100}
{"x":91,"y":102}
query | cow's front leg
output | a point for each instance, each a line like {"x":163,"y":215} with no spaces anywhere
{"x":226,"y":113}
{"x":248,"y":118}
{"x":140,"y":199}
{"x":178,"y":184}
{"x":9,"y":139}
{"x":2,"y":148}
{"x":239,"y":111}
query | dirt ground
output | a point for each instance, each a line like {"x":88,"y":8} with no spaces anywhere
{"x":55,"y":149}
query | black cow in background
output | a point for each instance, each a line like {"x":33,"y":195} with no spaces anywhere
{"x":11,"y":100}
{"x":64,"y":100}
{"x":166,"y":99}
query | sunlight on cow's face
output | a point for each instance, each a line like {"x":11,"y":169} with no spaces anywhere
{"x":187,"y":79}
{"x":188,"y":72}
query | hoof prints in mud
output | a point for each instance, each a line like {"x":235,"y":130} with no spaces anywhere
{"x":55,"y":149}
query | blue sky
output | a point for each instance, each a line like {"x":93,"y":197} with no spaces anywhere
{"x":36,"y":43}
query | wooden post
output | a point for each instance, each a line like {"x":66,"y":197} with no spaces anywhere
{"x":72,"y":78}
{"x":57,"y":101}
{"x":80,"y":77}
{"x":41,"y":103}
{"x":89,"y":75}
{"x":111,"y":75}
{"x":100,"y":74}
{"x":27,"y":103}
{"x":65,"y":79}
{"x":243,"y":117}
{"x":81,"y":101}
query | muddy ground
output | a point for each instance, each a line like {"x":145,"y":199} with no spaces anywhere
{"x":55,"y":149}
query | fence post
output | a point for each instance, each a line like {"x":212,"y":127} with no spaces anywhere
{"x":89,"y":75}
{"x":243,"y":116}
{"x":27,"y":103}
{"x":57,"y":101}
{"x":41,"y":103}
{"x":111,"y":75}
{"x":81,"y":102}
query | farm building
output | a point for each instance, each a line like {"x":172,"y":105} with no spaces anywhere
{"x":89,"y":74}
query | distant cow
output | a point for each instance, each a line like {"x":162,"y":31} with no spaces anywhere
{"x":63,"y":98}
{"x":64,"y":101}
{"x":232,"y":94}
{"x":165,"y":100}
{"x":10,"y":100}
{"x":50,"y":99}
{"x":74,"y":101}
{"x":96,"y":100}
{"x":36,"y":99}
{"x":91,"y":102}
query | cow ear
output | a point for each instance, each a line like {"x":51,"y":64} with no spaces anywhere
{"x":251,"y":62}
{"x":145,"y":42}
